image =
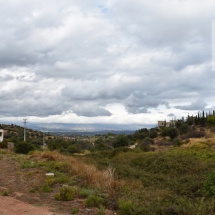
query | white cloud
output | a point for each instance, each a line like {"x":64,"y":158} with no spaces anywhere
{"x":105,"y":61}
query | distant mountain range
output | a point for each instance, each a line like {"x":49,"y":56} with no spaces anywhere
{"x":82,"y":129}
{"x":86,"y":128}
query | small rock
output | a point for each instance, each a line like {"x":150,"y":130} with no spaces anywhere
{"x":50,"y":174}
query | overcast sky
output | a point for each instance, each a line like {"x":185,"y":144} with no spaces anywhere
{"x":109,"y":62}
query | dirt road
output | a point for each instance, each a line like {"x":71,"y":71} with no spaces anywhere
{"x":11,"y":206}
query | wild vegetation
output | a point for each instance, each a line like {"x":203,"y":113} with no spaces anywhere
{"x":167,"y":171}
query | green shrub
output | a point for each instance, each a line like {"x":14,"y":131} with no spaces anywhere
{"x":24,"y":148}
{"x":101,"y":210}
{"x":28,"y":164}
{"x":171,"y":132}
{"x":85,"y":192}
{"x":5,"y":193}
{"x":126,"y":208}
{"x":117,"y":151}
{"x":148,"y":139}
{"x":33,"y":190}
{"x":183,"y":129}
{"x":66,"y":194}
{"x":73,"y":149}
{"x":153,"y":134}
{"x":61,"y":166}
{"x":209,"y":184}
{"x":58,"y":179}
{"x":121,"y":141}
{"x":3,"y":144}
{"x":46,"y":189}
{"x":74,"y":210}
{"x":145,"y":148}
{"x":94,"y":201}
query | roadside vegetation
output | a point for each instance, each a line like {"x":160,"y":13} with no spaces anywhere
{"x":165,"y":171}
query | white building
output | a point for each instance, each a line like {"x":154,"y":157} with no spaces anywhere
{"x":1,"y":135}
{"x":166,"y":124}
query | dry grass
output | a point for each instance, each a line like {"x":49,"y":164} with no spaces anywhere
{"x":93,"y":177}
{"x":203,"y":143}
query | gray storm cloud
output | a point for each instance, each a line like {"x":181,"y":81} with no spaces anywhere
{"x":82,"y":57}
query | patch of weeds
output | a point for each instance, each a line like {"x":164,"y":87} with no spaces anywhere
{"x":94,"y":201}
{"x":66,"y":194}
{"x":58,"y":179}
{"x":101,"y":210}
{"x":74,"y":210}
{"x":63,"y":167}
{"x":85,"y":192}
{"x":5,"y":193}
{"x":28,"y":164}
{"x":3,"y":152}
{"x":41,"y":164}
{"x":126,"y":208}
{"x":74,"y":180}
{"x":28,"y":174}
{"x":209,"y":184}
{"x":46,"y":189}
{"x":19,"y":159}
{"x":33,"y":190}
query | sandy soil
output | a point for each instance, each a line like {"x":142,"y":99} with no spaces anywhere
{"x":11,"y":206}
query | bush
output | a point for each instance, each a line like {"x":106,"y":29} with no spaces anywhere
{"x":163,"y":143}
{"x":177,"y":142}
{"x":24,"y":148}
{"x":144,"y":143}
{"x":5,"y":193}
{"x":183,"y":129}
{"x":212,"y":129}
{"x":66,"y":194}
{"x":193,"y":134}
{"x":46,"y":189}
{"x":85,"y":192}
{"x":3,"y":144}
{"x":74,"y":210}
{"x":126,"y":208}
{"x":149,"y":140}
{"x":103,"y":146}
{"x":117,"y":151}
{"x":153,"y":134}
{"x":209,"y":184}
{"x":121,"y":141}
{"x":146,"y":148}
{"x":94,"y":201}
{"x":73,"y":149}
{"x":171,"y":132}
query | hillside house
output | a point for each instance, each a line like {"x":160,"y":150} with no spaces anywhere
{"x":166,"y":124}
{"x":1,"y":135}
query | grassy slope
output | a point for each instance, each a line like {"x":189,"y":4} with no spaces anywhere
{"x":165,"y":182}
{"x":168,"y":182}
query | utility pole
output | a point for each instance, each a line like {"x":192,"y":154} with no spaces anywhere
{"x":24,"y":121}
{"x":43,"y":137}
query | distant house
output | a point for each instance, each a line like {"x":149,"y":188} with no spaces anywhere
{"x":161,"y":124}
{"x":1,"y":135}
{"x":166,"y":124}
